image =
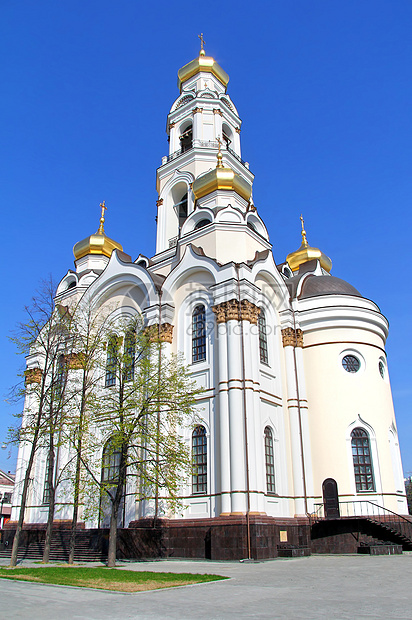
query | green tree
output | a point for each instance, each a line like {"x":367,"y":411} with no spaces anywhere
{"x":147,"y":400}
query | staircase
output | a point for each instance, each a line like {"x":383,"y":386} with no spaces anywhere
{"x":59,"y":549}
{"x":369,"y":519}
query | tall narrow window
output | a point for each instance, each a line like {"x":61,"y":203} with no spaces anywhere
{"x":263,"y":339}
{"x":60,"y":376}
{"x":269,"y":461}
{"x":199,"y":334}
{"x":46,"y":488}
{"x":111,"y":361}
{"x":110,"y":462}
{"x":362,"y":460}
{"x":129,"y":356}
{"x":199,"y":451}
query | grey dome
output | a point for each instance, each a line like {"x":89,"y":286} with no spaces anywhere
{"x":314,"y":286}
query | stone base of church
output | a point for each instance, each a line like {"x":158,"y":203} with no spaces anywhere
{"x":221,"y":538}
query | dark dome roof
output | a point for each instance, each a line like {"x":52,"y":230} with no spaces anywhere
{"x":314,"y":286}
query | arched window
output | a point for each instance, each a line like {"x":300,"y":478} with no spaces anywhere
{"x":362,"y":460}
{"x":199,"y":452}
{"x":129,"y":355}
{"x":263,"y":340}
{"x":181,"y":210}
{"x":199,"y":334}
{"x":202,"y":224}
{"x":111,"y":361}
{"x":60,"y":377}
{"x":269,"y":461}
{"x":186,"y":139}
{"x":110,"y":462}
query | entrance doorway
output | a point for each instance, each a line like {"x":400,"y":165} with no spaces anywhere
{"x":330,"y":498}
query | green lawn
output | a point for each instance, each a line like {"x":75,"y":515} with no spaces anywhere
{"x":105,"y":578}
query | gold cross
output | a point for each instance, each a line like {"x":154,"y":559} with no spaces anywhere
{"x":304,"y":240}
{"x":101,"y":227}
{"x":202,"y":42}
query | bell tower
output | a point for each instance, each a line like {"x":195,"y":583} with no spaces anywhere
{"x":202,"y":121}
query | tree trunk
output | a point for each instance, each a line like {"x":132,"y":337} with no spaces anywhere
{"x":111,"y":556}
{"x":15,"y":548}
{"x":50,"y":516}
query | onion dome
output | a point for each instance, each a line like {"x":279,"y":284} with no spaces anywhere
{"x":221,"y":178}
{"x":315,"y":286}
{"x":201,"y":64}
{"x":97,"y":243}
{"x":306,"y":253}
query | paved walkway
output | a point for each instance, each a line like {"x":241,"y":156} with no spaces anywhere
{"x":333,"y":587}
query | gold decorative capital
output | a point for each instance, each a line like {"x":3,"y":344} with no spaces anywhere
{"x":229,"y":311}
{"x":196,"y":110}
{"x":237,"y":129}
{"x":159,"y":202}
{"x":75,"y":361}
{"x":33,"y":375}
{"x":166,"y":333}
{"x":292,"y":337}
{"x":171,"y":125}
{"x":217,"y":111}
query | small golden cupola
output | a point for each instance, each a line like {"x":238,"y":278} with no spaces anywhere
{"x":306,"y":253}
{"x":221,"y":178}
{"x":201,"y":64}
{"x":98,"y":243}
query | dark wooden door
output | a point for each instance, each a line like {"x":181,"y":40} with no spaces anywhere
{"x":330,"y":498}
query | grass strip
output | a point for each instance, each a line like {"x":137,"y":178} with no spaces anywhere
{"x":105,"y":578}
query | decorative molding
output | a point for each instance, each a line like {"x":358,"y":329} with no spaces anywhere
{"x":159,"y":202}
{"x":196,"y":110}
{"x":217,"y":111}
{"x":229,"y":311}
{"x":33,"y":375}
{"x":171,"y":125}
{"x":292,"y":337}
{"x":237,"y":129}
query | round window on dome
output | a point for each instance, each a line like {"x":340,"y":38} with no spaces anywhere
{"x":381,"y":369}
{"x":351,"y":363}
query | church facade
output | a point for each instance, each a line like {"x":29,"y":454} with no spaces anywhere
{"x":296,"y":417}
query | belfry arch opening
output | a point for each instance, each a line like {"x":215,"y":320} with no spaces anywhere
{"x":227,"y":136}
{"x":180,"y":203}
{"x":186,"y":138}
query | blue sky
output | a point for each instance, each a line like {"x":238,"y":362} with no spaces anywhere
{"x":324,"y":91}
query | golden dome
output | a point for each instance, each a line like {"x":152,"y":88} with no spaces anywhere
{"x":97,"y":243}
{"x":306,"y":253}
{"x":221,"y":178}
{"x":202,"y":63}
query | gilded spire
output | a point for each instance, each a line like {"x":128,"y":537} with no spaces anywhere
{"x":202,"y":43}
{"x":101,"y":227}
{"x":304,"y":240}
{"x":219,"y":156}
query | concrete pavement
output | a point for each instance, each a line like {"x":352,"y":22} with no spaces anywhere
{"x":333,"y":587}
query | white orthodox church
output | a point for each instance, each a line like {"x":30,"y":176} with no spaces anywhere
{"x":296,"y":417}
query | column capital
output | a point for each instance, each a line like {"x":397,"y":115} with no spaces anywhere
{"x":165,"y":334}
{"x":33,"y":375}
{"x":292,"y":337}
{"x":229,"y":311}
